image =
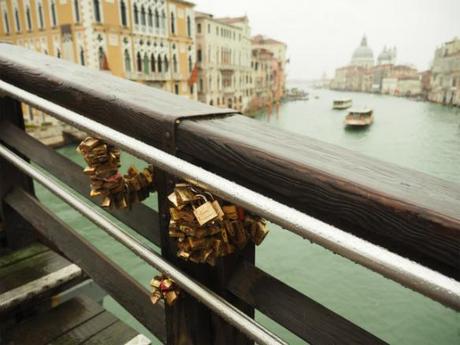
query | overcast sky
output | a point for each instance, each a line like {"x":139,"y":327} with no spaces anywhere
{"x":322,"y":34}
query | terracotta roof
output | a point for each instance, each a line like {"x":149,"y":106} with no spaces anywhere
{"x":265,"y":40}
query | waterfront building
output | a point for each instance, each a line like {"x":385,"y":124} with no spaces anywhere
{"x":264,"y":64}
{"x":445,"y":74}
{"x":141,"y":40}
{"x":389,"y":86}
{"x":409,"y":87}
{"x":279,"y":51}
{"x":224,"y":61}
{"x":363,"y":55}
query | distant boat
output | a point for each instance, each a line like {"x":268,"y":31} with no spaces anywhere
{"x":296,"y":94}
{"x":359,"y":117}
{"x":343,"y":103}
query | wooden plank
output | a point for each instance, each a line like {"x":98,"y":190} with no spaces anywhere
{"x":86,"y":330}
{"x":38,"y":287}
{"x":117,"y":333}
{"x":138,"y":110}
{"x":298,"y":313}
{"x":16,"y":232}
{"x":122,"y":287}
{"x":141,"y":218}
{"x":406,"y":211}
{"x":22,"y":254}
{"x":43,"y":328}
{"x":30,"y":269}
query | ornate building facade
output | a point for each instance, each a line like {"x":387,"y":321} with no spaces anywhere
{"x":149,"y":41}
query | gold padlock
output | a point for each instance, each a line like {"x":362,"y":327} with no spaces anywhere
{"x":205,"y":212}
{"x":230,"y":211}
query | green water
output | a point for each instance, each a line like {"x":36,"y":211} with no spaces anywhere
{"x":421,"y":136}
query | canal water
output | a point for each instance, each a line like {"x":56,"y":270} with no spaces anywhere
{"x":416,"y":135}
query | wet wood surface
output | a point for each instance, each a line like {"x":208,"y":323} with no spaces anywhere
{"x":406,"y":211}
{"x":134,"y":297}
{"x":78,"y":321}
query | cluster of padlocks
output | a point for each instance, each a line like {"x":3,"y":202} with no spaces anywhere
{"x":164,"y":288}
{"x":206,"y":228}
{"x":106,"y":181}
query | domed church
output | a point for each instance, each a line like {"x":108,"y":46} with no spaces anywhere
{"x":363,"y":55}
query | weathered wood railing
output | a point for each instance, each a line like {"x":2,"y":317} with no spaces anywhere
{"x":407,"y":212}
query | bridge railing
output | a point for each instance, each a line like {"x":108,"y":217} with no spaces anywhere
{"x":400,"y":223}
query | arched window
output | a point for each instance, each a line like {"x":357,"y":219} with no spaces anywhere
{"x":97,"y":10}
{"x":142,"y":15}
{"x":6,"y":23}
{"x":163,"y":18}
{"x":58,"y":53}
{"x":16,"y":17}
{"x":157,"y":19}
{"x":189,"y":27}
{"x":190,"y":64}
{"x":101,"y":56}
{"x":166,"y":64}
{"x":174,"y":63}
{"x":82,"y":56}
{"x":40,"y":15}
{"x":150,"y":18}
{"x":77,"y":10}
{"x":29,"y":20}
{"x":173,"y":23}
{"x":136,"y":14}
{"x":124,"y":18}
{"x":146,"y":64}
{"x":127,"y":61}
{"x":53,"y":13}
{"x":139,"y":62}
{"x":211,"y":102}
{"x":160,"y":64}
{"x":153,"y":63}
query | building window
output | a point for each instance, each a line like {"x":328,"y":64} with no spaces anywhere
{"x":146,"y":64}
{"x":124,"y":18}
{"x":190,"y":64}
{"x":58,"y":53}
{"x":209,"y":31}
{"x":127,"y":61}
{"x":97,"y":10}
{"x":160,"y":64}
{"x":211,"y":102}
{"x":153,"y":63}
{"x":136,"y":14}
{"x":142,"y":15}
{"x":166,"y":64}
{"x":5,"y":22}
{"x":189,"y":26}
{"x":198,"y":28}
{"x":201,"y":85}
{"x":139,"y":62}
{"x":198,"y":55}
{"x":29,"y":20}
{"x":150,"y":18}
{"x":77,"y":10}
{"x":40,"y":15}
{"x":174,"y":63}
{"x":102,"y":60}
{"x":53,"y":14}
{"x":82,"y":56}
{"x":16,"y":17}
{"x":163,"y":17}
{"x":176,"y":89}
{"x":173,"y":23}
{"x":157,"y":19}
{"x":191,"y":89}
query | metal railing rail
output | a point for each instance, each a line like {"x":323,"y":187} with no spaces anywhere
{"x":214,"y":302}
{"x":409,"y":273}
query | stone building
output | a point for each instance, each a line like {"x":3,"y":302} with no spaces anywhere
{"x":224,"y":61}
{"x":363,"y":55}
{"x":149,"y":41}
{"x":445,"y":74}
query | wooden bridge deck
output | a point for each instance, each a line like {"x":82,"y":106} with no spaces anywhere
{"x":36,"y":306}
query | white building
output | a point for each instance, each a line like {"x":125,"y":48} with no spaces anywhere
{"x":363,"y":55}
{"x":224,"y":61}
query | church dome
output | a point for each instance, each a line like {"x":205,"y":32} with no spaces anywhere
{"x":363,"y":55}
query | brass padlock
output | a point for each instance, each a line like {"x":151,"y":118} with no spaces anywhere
{"x":184,"y":194}
{"x":260,"y":233}
{"x":230,"y":212}
{"x":205,"y":212}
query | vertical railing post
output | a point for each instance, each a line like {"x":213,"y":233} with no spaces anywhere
{"x":189,"y":322}
{"x":18,"y":232}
